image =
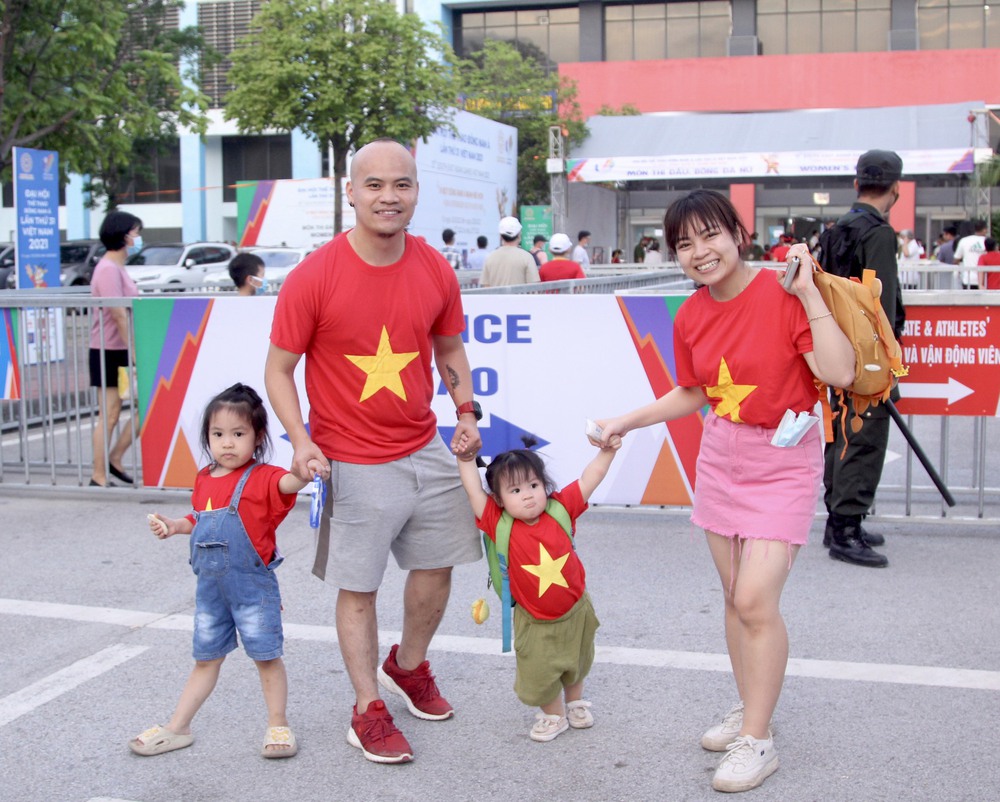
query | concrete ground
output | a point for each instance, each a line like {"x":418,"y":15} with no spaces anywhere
{"x":893,"y":686}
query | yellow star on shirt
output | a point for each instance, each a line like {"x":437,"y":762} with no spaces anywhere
{"x":208,"y":507}
{"x":548,"y":571}
{"x":383,"y":368}
{"x":731,"y":394}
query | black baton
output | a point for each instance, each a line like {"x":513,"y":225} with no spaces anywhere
{"x":938,"y":483}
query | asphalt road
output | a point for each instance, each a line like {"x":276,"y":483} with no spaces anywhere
{"x":893,"y":688}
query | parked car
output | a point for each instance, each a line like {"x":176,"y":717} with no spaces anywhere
{"x":8,"y":280}
{"x":278,"y":263}
{"x":77,"y":259}
{"x":177,"y":263}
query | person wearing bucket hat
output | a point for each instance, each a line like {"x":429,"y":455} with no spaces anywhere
{"x":560,"y":266}
{"x":862,"y":238}
{"x":510,"y":263}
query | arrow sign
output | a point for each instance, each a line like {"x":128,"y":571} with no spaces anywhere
{"x":951,"y":391}
{"x":501,"y":435}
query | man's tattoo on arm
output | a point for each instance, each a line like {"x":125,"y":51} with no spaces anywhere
{"x":452,"y":377}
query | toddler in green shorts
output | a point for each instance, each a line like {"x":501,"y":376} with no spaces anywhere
{"x":554,"y":621}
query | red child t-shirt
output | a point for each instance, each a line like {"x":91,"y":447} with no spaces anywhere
{"x":546,"y":575}
{"x":560,"y":269}
{"x":368,"y":333}
{"x":262,"y":506}
{"x":746,"y":353}
{"x":991,"y":259}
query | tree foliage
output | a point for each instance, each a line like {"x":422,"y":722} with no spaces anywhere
{"x":505,"y":81}
{"x":344,"y":72}
{"x":96,"y":80}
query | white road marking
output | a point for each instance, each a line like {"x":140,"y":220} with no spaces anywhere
{"x":108,"y":799}
{"x":55,"y":685}
{"x":838,"y":670}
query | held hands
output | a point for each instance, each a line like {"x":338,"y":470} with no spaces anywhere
{"x":320,"y":467}
{"x":466,"y":441}
{"x":308,"y":460}
{"x":600,"y":436}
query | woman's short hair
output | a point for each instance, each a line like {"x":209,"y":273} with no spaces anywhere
{"x":116,"y":226}
{"x":705,"y":207}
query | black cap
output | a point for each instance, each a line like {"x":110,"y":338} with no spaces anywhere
{"x":540,"y":238}
{"x":880,"y":166}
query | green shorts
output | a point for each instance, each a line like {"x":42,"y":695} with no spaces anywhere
{"x":552,"y":655}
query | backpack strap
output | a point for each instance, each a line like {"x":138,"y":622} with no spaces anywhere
{"x":505,"y":524}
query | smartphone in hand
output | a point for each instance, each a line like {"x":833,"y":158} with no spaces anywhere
{"x":791,"y":272}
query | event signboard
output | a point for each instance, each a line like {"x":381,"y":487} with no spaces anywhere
{"x":36,"y":201}
{"x":541,"y":366}
{"x":787,"y":164}
{"x":468,"y":181}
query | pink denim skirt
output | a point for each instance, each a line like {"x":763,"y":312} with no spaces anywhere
{"x":747,"y":488}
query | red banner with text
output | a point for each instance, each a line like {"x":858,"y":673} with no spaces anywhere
{"x":953,"y":353}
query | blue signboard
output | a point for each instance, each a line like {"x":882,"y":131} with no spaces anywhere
{"x":36,"y":200}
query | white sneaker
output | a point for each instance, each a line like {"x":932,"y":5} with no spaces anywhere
{"x":548,"y":727}
{"x":748,"y":762}
{"x":718,"y":738}
{"x":578,"y":714}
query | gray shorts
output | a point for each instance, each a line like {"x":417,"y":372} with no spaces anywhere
{"x":414,"y":507}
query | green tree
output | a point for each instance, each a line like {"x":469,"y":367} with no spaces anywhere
{"x":626,"y":110}
{"x":162,"y":99}
{"x":90,"y":79}
{"x":344,"y":72}
{"x":506,"y":83}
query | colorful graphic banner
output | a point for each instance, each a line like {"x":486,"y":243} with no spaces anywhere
{"x":10,"y":376}
{"x":36,"y":200}
{"x":540,"y":367}
{"x":757,"y":165}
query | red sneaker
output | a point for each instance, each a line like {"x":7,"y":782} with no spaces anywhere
{"x":377,"y":737}
{"x":417,"y":688}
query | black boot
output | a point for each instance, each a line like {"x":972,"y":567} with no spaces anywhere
{"x":871,"y":538}
{"x":847,"y":544}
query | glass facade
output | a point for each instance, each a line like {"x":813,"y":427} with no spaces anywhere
{"x":957,"y":24}
{"x":823,"y":26}
{"x":159,"y":180}
{"x":252,"y":158}
{"x":666,"y":30}
{"x":550,"y":35}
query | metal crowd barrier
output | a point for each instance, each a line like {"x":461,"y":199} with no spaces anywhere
{"x":46,"y":435}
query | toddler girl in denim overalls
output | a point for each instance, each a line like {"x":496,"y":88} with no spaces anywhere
{"x":238,"y":504}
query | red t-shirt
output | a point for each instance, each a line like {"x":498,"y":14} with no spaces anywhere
{"x":780,"y":252}
{"x":746,"y":353}
{"x":991,"y":259}
{"x":367,"y":334}
{"x":559,"y":269}
{"x":262,"y":506}
{"x":546,"y":575}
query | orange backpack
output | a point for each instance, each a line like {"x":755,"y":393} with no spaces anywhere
{"x":878,"y":358}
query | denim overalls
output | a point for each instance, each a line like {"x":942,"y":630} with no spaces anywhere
{"x":236,"y":591}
